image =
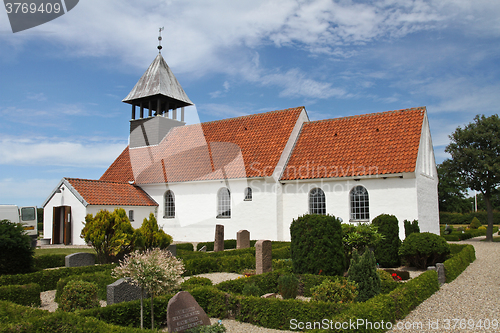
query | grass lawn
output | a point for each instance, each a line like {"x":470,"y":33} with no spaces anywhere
{"x":65,"y":251}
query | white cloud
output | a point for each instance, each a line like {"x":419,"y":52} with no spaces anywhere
{"x":25,"y":192}
{"x":57,"y":152}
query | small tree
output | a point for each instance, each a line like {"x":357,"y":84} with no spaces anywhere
{"x":475,"y":155}
{"x":111,"y":235}
{"x":154,"y":270}
{"x":363,"y":271}
{"x":152,"y":235}
{"x":16,"y":253}
{"x":386,"y":252}
{"x":411,"y":227}
{"x":359,"y":237}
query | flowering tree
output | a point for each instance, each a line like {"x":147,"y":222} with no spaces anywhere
{"x":154,"y":270}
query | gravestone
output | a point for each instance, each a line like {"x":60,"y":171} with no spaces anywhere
{"x":242,"y":239}
{"x":79,"y":259}
{"x":183,"y":313}
{"x":203,"y":249}
{"x":219,"y":238}
{"x":122,"y":291}
{"x":263,"y":257}
{"x":173,"y":249}
{"x":439,"y":268}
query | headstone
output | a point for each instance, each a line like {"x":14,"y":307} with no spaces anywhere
{"x":79,"y":259}
{"x":441,"y":275}
{"x":122,"y":291}
{"x":183,"y":313}
{"x":263,"y":257}
{"x":242,"y":239}
{"x":173,"y":249}
{"x":203,"y":249}
{"x":219,"y":238}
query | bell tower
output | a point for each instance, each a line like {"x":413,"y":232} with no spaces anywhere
{"x":159,"y":93}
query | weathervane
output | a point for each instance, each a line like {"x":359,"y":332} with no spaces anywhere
{"x":159,"y":39}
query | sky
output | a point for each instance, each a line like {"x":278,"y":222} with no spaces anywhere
{"x":62,"y":82}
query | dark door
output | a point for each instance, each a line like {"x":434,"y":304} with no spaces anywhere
{"x":56,"y":225}
{"x":67,"y":225}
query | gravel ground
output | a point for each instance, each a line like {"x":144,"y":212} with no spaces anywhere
{"x":471,"y":298}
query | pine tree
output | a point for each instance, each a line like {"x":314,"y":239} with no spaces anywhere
{"x":363,"y":271}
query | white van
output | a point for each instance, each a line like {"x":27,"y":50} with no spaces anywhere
{"x":25,"y":215}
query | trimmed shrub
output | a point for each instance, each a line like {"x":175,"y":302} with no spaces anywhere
{"x":475,"y":223}
{"x":195,"y":281}
{"x":28,"y":295}
{"x":466,"y":218}
{"x":359,"y":237}
{"x":482,"y":228}
{"x":288,"y":285}
{"x":49,"y":261}
{"x":459,"y":261}
{"x":185,"y":247}
{"x":100,"y":279}
{"x":152,"y":236}
{"x":387,"y":251}
{"x":251,"y":289}
{"x":11,"y":313}
{"x":387,"y":283}
{"x":215,"y":328}
{"x":228,"y":244}
{"x":363,"y":272}
{"x":316,"y":246}
{"x":411,"y":227}
{"x":283,"y":264}
{"x":230,"y":264}
{"x":79,"y":295}
{"x":343,"y":291}
{"x":16,"y":253}
{"x":424,"y":249}
{"x":282,"y":252}
{"x":47,"y":279}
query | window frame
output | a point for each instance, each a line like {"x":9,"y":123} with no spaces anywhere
{"x":168,"y":207}
{"x":131,"y":215}
{"x":317,"y":201}
{"x":223,"y":202}
{"x":359,"y":205}
{"x":248,"y":194}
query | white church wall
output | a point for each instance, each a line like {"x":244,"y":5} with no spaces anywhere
{"x":196,"y":209}
{"x":394,"y":196}
{"x":140,"y":212}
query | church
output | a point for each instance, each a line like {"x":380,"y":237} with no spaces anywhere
{"x":255,"y":172}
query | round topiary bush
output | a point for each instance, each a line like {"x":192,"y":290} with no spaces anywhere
{"x":195,"y":281}
{"x":316,"y":245}
{"x":16,"y":253}
{"x":424,"y":249}
{"x":386,"y":251}
{"x":342,"y":291}
{"x":475,"y":223}
{"x":79,"y":295}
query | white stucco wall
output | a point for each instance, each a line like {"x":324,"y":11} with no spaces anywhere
{"x":196,"y":209}
{"x":395,"y":196}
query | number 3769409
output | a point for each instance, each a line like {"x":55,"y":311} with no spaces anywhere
{"x":32,"y":8}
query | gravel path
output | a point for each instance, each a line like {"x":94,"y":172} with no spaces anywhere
{"x":472,"y":298}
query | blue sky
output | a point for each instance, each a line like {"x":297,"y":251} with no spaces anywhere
{"x":61,"y":83}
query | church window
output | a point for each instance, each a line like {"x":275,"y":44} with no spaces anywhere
{"x":169,"y":205}
{"x":317,"y":202}
{"x":224,"y":203}
{"x":131,"y":215}
{"x":359,"y":204}
{"x":248,"y":194}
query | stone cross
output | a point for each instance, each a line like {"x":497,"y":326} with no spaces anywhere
{"x":183,"y":313}
{"x":219,"y":238}
{"x":242,"y":239}
{"x":263,"y":256}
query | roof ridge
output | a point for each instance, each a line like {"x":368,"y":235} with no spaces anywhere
{"x":96,"y":180}
{"x":250,"y":115}
{"x":370,"y":114}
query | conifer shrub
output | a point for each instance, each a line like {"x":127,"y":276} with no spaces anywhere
{"x":316,"y":245}
{"x":152,"y":235}
{"x":79,"y":295}
{"x":424,"y":249}
{"x":386,"y":252}
{"x":195,"y":281}
{"x":251,"y":289}
{"x":288,"y":285}
{"x":475,"y":223}
{"x":340,"y":291}
{"x":16,"y":253}
{"x":411,"y":227}
{"x":363,"y":271}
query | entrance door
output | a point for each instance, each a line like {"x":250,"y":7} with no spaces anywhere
{"x":61,"y":225}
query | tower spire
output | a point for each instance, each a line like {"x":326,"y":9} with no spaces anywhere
{"x":159,"y":38}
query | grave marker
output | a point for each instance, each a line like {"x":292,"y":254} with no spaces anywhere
{"x":219,"y":238}
{"x":243,"y":239}
{"x":183,"y":313}
{"x":263,"y":257}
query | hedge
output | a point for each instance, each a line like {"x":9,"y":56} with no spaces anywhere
{"x":49,"y":261}
{"x":454,"y":266}
{"x":47,"y":279}
{"x":459,"y":218}
{"x":28,"y":294}
{"x":459,"y":236}
{"x":185,"y":255}
{"x":101,"y":279}
{"x":210,"y":264}
{"x":185,"y":247}
{"x":12,"y":313}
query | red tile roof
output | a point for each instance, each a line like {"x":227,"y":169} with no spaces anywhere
{"x":378,"y":143}
{"x":96,"y":192}
{"x":231,"y":148}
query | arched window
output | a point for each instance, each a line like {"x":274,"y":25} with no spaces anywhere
{"x":248,"y":194}
{"x":317,"y":202}
{"x":359,"y":204}
{"x":169,"y":205}
{"x":224,"y":203}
